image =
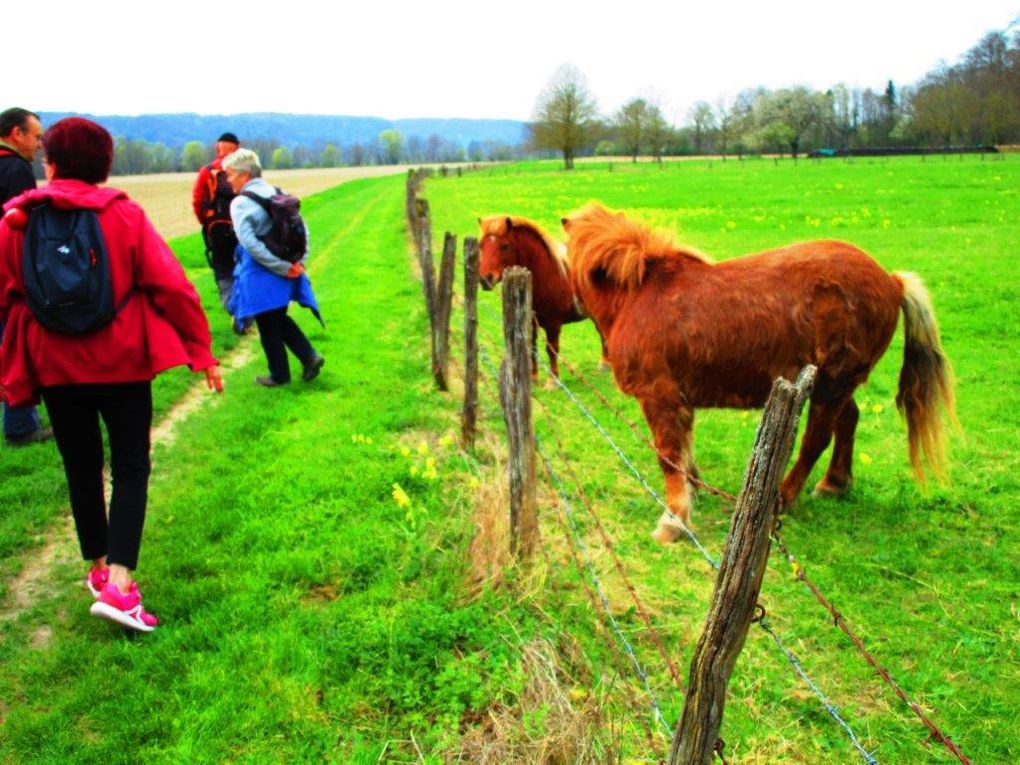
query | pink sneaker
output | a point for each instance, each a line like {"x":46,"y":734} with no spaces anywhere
{"x":96,"y":580}
{"x":124,"y":609}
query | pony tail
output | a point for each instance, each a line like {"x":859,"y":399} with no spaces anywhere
{"x":926,"y":379}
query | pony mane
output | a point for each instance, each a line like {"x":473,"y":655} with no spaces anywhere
{"x":496,"y":226}
{"x":598,"y":238}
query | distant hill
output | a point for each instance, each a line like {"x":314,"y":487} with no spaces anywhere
{"x":291,"y":130}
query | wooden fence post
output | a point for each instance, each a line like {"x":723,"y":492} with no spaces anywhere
{"x":443,"y":306}
{"x":515,"y":395}
{"x":423,"y":236}
{"x":739,"y":582}
{"x":469,"y":414}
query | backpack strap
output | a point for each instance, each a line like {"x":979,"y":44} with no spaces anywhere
{"x":262,"y":201}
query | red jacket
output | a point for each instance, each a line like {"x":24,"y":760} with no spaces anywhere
{"x":162,"y":325}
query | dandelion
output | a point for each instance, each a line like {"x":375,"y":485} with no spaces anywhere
{"x":405,"y":451}
{"x":731,"y":224}
{"x":578,"y":694}
{"x":400,"y":496}
{"x":877,"y":409}
{"x":423,"y":448}
{"x":413,"y":470}
{"x":865,"y":458}
{"x":446,"y":441}
{"x":474,"y":483}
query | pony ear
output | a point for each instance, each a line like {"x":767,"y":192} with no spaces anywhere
{"x":479,"y":221}
{"x":566,"y":223}
{"x":509,"y":223}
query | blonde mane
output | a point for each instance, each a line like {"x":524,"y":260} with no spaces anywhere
{"x":598,"y":238}
{"x":496,"y":226}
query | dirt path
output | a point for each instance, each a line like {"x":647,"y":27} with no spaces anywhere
{"x":166,"y":197}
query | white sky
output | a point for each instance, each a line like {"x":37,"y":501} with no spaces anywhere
{"x":463,"y":58}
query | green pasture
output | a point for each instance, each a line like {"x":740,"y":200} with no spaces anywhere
{"x":308,"y":548}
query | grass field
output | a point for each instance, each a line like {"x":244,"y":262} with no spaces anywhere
{"x":309,"y":549}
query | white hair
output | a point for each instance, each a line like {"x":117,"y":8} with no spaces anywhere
{"x":243,"y":161}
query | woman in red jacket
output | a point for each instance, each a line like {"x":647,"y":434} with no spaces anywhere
{"x":106,"y":373}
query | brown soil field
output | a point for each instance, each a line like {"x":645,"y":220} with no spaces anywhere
{"x":166,"y":197}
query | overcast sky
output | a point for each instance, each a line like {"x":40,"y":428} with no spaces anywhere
{"x":459,"y":58}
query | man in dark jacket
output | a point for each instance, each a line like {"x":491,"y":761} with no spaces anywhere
{"x":20,"y":134}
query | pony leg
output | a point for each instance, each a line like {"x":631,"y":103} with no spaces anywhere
{"x":672,"y":425}
{"x":604,"y":364}
{"x":817,"y":436}
{"x":839,"y":475}
{"x":552,"y":349}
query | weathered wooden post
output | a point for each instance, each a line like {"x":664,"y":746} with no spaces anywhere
{"x":443,"y":306}
{"x":739,"y":582}
{"x":469,"y":414}
{"x":515,"y":395}
{"x":425,"y":262}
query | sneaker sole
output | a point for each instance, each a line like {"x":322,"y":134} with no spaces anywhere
{"x":313,"y":371}
{"x":108,"y":612}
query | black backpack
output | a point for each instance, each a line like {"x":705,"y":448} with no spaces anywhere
{"x":217,"y":229}
{"x":67,"y":271}
{"x":288,"y":238}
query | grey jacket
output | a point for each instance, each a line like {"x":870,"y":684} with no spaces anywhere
{"x":251,"y":221}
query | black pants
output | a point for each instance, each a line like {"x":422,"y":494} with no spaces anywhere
{"x":126,"y":408}
{"x":277,"y":331}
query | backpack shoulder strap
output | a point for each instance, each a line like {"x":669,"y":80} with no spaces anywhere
{"x":263,"y":202}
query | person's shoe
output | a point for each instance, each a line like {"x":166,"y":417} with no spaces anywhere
{"x":268,"y":382}
{"x":125,"y":610}
{"x":37,"y":435}
{"x":240,"y":327}
{"x":312,"y":370}
{"x":96,"y":580}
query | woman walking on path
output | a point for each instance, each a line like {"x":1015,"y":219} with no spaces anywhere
{"x":104,"y":372}
{"x":264,"y":285}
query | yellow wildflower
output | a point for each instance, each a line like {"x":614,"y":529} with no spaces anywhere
{"x":400,"y":496}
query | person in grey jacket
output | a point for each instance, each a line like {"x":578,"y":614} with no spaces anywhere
{"x":264,"y":285}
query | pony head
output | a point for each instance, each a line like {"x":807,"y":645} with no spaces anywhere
{"x":514,"y":241}
{"x":497,"y":251}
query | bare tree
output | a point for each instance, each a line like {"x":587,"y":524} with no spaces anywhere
{"x":565,"y":114}
{"x":703,"y":121}
{"x":657,"y":132}
{"x":630,"y":123}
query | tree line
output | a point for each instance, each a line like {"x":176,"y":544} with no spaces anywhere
{"x":976,"y":102}
{"x":136,"y":156}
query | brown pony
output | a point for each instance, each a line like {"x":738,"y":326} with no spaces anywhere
{"x":512,"y":241}
{"x":683,"y":332}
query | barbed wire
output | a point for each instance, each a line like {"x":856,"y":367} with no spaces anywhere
{"x":840,"y":621}
{"x":589,"y":565}
{"x":616,"y":650}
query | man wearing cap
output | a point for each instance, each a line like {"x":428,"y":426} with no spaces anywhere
{"x":20,"y":134}
{"x":210,"y":200}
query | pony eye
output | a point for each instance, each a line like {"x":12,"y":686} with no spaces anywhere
{"x":504,"y":247}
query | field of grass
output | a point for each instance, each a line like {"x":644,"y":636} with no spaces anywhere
{"x":309,"y":549}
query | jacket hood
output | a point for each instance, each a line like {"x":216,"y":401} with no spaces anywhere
{"x":68,"y":194}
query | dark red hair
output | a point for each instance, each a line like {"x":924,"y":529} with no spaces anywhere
{"x":80,"y":149}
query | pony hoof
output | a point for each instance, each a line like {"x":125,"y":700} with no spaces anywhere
{"x":826,"y":488}
{"x":667,"y":534}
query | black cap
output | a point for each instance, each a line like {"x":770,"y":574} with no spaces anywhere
{"x":229,"y":137}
